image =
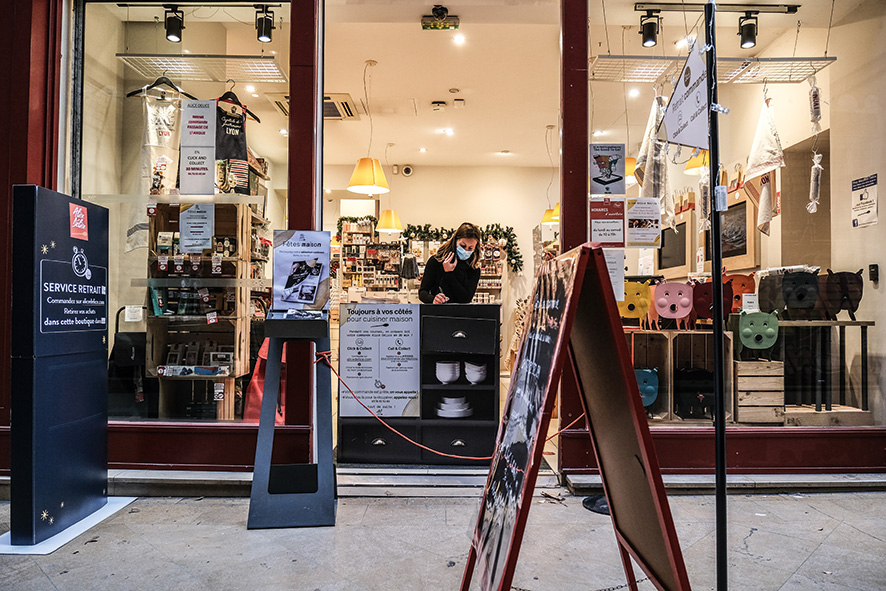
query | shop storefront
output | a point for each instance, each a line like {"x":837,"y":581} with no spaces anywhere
{"x":285,"y":98}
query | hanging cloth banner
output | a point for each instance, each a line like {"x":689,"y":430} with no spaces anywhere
{"x":686,"y":119}
{"x":766,"y":154}
{"x":652,"y":165}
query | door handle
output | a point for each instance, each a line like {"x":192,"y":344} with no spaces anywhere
{"x":459,"y":334}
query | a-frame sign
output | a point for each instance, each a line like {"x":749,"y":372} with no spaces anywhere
{"x":573,"y":319}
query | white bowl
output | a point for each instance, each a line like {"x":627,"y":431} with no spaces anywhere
{"x":462,"y":406}
{"x":453,"y":400}
{"x":480,"y":366}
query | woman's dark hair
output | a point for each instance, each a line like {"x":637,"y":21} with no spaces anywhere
{"x":466,"y":230}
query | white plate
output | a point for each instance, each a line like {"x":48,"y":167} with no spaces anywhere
{"x":454,"y":400}
{"x":464,"y":406}
{"x":454,"y":414}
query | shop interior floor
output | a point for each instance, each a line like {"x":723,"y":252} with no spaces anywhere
{"x":774,"y":542}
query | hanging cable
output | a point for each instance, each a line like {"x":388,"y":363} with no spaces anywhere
{"x":366,"y":67}
{"x":606,"y":28}
{"x":548,"y":131}
{"x":830,"y":23}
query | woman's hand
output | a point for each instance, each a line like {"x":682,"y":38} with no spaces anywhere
{"x":449,"y":262}
{"x":440,"y":298}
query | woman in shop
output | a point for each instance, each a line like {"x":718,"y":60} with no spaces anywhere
{"x":453,"y":273}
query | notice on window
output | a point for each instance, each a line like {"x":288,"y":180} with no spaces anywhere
{"x":197,"y":226}
{"x":644,"y":223}
{"x":607,"y":218}
{"x":607,"y":169}
{"x":864,"y":201}
{"x":378,"y":359}
{"x":615,"y":263}
{"x":197,"y":160}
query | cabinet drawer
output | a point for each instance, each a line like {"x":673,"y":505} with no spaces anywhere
{"x":461,"y":440}
{"x":372,"y":443}
{"x":458,"y":335}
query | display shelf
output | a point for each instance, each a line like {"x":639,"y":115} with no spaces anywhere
{"x":217,"y":198}
{"x":187,"y":281}
{"x":466,"y":386}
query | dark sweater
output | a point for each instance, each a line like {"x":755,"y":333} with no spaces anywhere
{"x":458,"y":285}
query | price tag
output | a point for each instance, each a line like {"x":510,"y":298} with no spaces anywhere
{"x":163,"y":263}
{"x":203,"y":292}
{"x":178,"y":263}
{"x":750,"y":302}
{"x":212,"y":318}
{"x":720,"y":203}
{"x":699,"y":260}
{"x":152,"y":209}
{"x":218,"y":391}
{"x":196,"y":262}
{"x":216,"y":264}
{"x":133,"y":314}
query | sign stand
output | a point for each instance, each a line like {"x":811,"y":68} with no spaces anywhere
{"x":294,"y":495}
{"x":574,"y":289}
{"x":59,"y":419}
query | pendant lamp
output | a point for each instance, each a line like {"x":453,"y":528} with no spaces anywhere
{"x":697,"y":164}
{"x":630,"y":166}
{"x":368,"y":178}
{"x":548,"y":219}
{"x":389,"y":222}
{"x":555,"y":216}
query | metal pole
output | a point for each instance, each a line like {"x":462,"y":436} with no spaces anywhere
{"x":717,"y":278}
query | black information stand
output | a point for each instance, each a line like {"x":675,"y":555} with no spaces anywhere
{"x":294,"y":495}
{"x":59,"y":363}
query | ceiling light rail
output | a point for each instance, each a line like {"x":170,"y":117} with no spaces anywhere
{"x":193,"y":67}
{"x":699,"y":7}
{"x":735,"y":70}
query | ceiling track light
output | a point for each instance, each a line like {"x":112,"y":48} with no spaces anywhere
{"x":649,"y":25}
{"x":747,"y":30}
{"x":264,"y":23}
{"x":175,"y":23}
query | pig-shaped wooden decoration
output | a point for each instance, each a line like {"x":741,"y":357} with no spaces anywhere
{"x":703,"y":299}
{"x":647,"y":381}
{"x":637,"y":299}
{"x":800,"y":292}
{"x":672,"y":300}
{"x":769,"y":294}
{"x":842,"y":291}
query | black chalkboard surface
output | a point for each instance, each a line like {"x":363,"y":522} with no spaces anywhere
{"x":573,"y":318}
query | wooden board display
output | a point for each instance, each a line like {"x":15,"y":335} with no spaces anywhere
{"x":574,"y":288}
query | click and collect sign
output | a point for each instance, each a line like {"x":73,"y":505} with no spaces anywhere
{"x":197,"y":160}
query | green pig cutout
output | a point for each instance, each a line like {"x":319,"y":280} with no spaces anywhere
{"x":758,"y":330}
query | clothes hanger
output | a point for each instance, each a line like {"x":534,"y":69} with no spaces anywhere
{"x":230,"y":97}
{"x":161,"y":81}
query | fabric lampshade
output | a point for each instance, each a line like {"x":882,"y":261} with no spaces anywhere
{"x":368,"y":178}
{"x":697,"y":163}
{"x":555,"y":216}
{"x":548,"y":218}
{"x":389,"y":222}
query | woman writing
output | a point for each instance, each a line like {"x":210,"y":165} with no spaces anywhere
{"x":453,"y":273}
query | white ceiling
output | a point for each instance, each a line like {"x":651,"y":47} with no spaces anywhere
{"x":507,"y":72}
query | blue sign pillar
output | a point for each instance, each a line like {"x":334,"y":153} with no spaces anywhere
{"x":59,"y":416}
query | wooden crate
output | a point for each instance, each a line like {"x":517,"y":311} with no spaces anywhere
{"x":651,"y":350}
{"x":759,"y":391}
{"x":695,"y":348}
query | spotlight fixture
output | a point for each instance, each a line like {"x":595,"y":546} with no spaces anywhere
{"x":439,"y":20}
{"x":649,"y":24}
{"x":175,"y":23}
{"x":747,"y":30}
{"x":264,"y":23}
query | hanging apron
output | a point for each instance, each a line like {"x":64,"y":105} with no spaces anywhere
{"x":232,"y":166}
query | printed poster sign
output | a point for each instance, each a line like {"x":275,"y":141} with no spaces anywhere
{"x":607,"y":220}
{"x":378,"y":358}
{"x":864,"y":201}
{"x":301,"y":270}
{"x":686,"y":118}
{"x":197,"y":160}
{"x":607,"y":169}
{"x":644,"y":223}
{"x":197,"y":226}
{"x":615,"y":264}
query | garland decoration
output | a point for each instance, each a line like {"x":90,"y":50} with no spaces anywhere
{"x":360,"y":220}
{"x":504,"y":235}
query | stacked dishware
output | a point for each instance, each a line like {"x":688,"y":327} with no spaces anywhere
{"x":448,"y":371}
{"x":475,"y":372}
{"x":454,"y":408}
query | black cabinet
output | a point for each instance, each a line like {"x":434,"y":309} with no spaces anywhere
{"x":459,"y":407}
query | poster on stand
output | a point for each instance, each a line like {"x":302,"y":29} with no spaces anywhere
{"x":607,"y":221}
{"x":301,"y":270}
{"x":607,"y":169}
{"x":644,"y":223}
{"x":378,"y":359}
{"x":197,"y":226}
{"x":864,"y":201}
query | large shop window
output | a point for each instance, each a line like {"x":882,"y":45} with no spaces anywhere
{"x":185,"y":116}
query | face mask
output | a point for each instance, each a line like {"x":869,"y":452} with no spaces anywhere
{"x":462,"y":253}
